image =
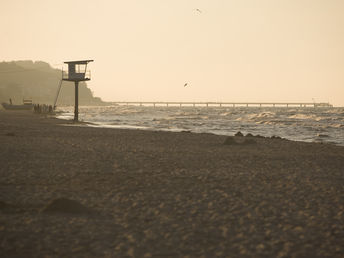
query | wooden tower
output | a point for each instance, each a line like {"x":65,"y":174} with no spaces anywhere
{"x":76,"y":73}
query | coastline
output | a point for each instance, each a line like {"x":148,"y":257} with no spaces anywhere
{"x":307,"y":125}
{"x":158,"y":193}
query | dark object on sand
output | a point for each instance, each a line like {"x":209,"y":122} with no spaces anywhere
{"x":64,"y":205}
{"x":248,"y":142}
{"x":7,"y":208}
{"x":10,"y":134}
{"x":231,"y":141}
{"x":249,"y":135}
{"x":239,"y":134}
{"x":4,"y":205}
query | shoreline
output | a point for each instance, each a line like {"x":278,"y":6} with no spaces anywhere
{"x":157,"y":193}
{"x":311,"y":127}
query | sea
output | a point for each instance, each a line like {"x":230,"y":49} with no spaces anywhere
{"x":308,"y":124}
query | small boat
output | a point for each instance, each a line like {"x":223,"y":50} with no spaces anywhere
{"x":27,"y":105}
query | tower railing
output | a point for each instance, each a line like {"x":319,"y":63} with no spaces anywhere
{"x":85,"y":76}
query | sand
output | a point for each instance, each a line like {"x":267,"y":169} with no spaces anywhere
{"x":78,"y":191}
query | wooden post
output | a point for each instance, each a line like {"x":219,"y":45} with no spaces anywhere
{"x":76,"y":105}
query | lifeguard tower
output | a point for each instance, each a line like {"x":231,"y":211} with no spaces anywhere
{"x":77,"y":72}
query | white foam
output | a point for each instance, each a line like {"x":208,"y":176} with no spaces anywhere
{"x":295,"y":124}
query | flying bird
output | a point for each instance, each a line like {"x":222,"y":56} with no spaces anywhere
{"x":198,"y":10}
{"x":186,"y":84}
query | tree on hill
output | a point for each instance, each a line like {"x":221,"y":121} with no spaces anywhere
{"x":39,"y":81}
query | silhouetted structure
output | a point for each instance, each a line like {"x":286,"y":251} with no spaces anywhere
{"x":227,"y":104}
{"x":77,"y":72}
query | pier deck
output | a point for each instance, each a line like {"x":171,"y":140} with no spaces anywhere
{"x":224,"y":104}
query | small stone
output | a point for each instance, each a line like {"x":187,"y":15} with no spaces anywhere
{"x":249,"y":135}
{"x":298,"y":229}
{"x":239,"y":134}
{"x":64,"y":205}
{"x":260,"y":247}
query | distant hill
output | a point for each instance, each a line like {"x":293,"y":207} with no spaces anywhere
{"x":39,"y":81}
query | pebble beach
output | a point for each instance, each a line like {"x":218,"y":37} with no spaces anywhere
{"x":71,"y":190}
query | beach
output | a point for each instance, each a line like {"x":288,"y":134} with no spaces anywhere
{"x":164,"y":194}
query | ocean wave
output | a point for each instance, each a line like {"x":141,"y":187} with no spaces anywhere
{"x":302,"y":117}
{"x":261,"y":115}
{"x":294,"y":124}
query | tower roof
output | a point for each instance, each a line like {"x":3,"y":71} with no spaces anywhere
{"x":79,"y":62}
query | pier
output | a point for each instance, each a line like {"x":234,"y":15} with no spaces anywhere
{"x":224,"y":104}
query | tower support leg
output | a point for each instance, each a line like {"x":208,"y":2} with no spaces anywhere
{"x":76,"y":105}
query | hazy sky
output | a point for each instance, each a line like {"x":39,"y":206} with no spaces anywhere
{"x":235,"y":50}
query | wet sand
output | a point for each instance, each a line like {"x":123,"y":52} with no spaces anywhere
{"x":157,"y":194}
